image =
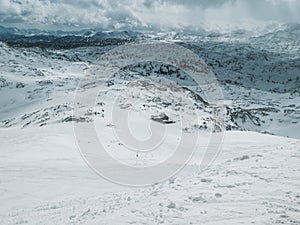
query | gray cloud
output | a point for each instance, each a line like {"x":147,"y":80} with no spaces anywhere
{"x":280,"y":10}
{"x":179,"y":14}
{"x":201,"y":3}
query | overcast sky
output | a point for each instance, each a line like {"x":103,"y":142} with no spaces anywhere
{"x":147,"y":14}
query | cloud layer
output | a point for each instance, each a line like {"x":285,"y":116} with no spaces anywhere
{"x":147,"y":14}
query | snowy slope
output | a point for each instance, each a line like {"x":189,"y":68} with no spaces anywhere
{"x":254,"y":180}
{"x":39,"y":85}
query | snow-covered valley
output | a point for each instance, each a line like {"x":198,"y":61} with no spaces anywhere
{"x":253,"y":180}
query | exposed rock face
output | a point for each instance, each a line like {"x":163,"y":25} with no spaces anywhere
{"x":162,"y":118}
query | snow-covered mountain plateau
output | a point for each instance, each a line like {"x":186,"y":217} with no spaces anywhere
{"x":254,"y":177}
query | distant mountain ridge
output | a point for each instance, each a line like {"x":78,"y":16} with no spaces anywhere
{"x":64,"y":39}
